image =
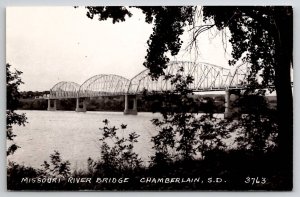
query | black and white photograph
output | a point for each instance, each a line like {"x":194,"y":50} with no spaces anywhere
{"x":149,"y":98}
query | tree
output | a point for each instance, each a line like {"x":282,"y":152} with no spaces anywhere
{"x":263,"y":36}
{"x":177,"y":130}
{"x":13,"y":81}
{"x":260,"y":35}
{"x":180,"y":131}
{"x":117,"y":153}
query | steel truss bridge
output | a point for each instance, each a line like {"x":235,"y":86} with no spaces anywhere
{"x":207,"y":77}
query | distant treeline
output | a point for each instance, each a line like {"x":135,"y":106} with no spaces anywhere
{"x":35,"y":94}
{"x":210,"y":103}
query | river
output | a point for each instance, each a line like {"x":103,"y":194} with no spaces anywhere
{"x":75,"y":135}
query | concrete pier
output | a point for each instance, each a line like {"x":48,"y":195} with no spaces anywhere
{"x":127,"y":110}
{"x":51,"y":105}
{"x":231,"y":96}
{"x":80,"y":105}
{"x":228,"y":108}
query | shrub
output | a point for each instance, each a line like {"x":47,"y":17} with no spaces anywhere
{"x":56,"y":168}
{"x":117,"y":154}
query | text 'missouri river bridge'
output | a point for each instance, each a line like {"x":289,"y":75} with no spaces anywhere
{"x":207,"y":77}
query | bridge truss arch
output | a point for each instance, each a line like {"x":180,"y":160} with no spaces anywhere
{"x":104,"y":85}
{"x":64,"y":89}
{"x":207,"y":77}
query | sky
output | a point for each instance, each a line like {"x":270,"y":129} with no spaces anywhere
{"x":53,"y":44}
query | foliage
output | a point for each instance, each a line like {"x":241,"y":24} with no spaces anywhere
{"x":260,"y":35}
{"x":116,"y":152}
{"x":263,"y":36}
{"x":233,"y":165}
{"x":117,"y":13}
{"x":57,"y":168}
{"x":183,"y":134}
{"x":253,"y":33}
{"x":169,"y":23}
{"x":175,"y":131}
{"x":115,"y":103}
{"x":253,"y":104}
{"x":15,"y":172}
{"x":33,"y":104}
{"x":257,"y":133}
{"x":20,"y":177}
{"x":14,"y":169}
{"x":13,"y":81}
{"x":253,"y":36}
{"x":32,"y":95}
{"x":209,"y":105}
{"x":257,"y":126}
{"x":212,"y":134}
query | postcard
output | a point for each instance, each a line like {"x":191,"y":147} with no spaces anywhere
{"x":149,"y":98}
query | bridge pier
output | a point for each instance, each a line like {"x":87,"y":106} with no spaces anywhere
{"x":228,"y":107}
{"x":80,"y":105}
{"x":127,"y":109}
{"x":230,"y":97}
{"x":50,"y":106}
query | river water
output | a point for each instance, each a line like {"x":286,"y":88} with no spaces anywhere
{"x":75,"y":135}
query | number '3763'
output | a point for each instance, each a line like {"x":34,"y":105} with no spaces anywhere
{"x":255,"y":180}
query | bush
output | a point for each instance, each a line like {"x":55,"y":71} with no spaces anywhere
{"x":117,"y":153}
{"x":56,"y":168}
